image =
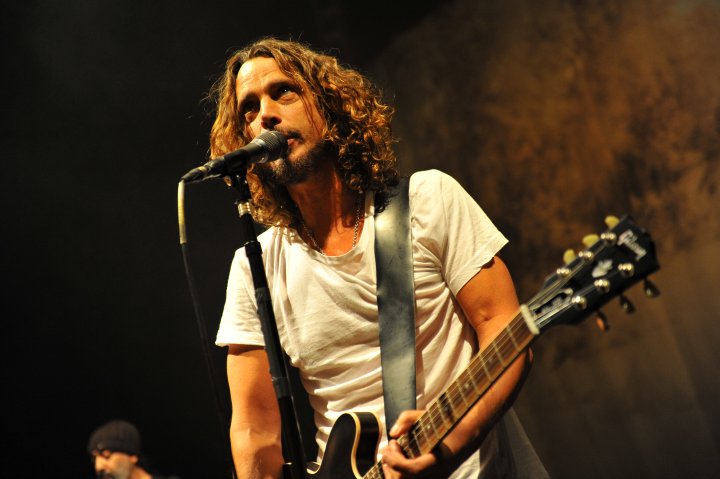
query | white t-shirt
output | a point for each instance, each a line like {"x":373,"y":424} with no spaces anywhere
{"x":326,"y":306}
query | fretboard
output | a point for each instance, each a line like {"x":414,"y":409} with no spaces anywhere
{"x":452,"y":405}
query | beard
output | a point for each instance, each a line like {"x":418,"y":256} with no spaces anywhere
{"x":284,"y":172}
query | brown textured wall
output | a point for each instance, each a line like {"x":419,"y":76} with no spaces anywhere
{"x":554,"y":114}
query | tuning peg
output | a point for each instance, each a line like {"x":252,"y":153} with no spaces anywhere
{"x":569,"y":255}
{"x":611,"y":221}
{"x":626,"y":305}
{"x":602,"y":321}
{"x":589,"y":240}
{"x":651,"y":291}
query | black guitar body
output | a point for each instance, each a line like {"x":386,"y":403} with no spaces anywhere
{"x":351,"y":449}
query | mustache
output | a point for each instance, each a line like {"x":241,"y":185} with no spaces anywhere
{"x":289,"y":133}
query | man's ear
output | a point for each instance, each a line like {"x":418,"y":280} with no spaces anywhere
{"x":134,"y":459}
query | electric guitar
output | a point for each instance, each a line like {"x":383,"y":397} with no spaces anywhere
{"x":620,"y":257}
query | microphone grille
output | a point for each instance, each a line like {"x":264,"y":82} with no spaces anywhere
{"x":275,"y":144}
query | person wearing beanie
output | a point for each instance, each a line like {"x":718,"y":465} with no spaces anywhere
{"x":115,"y":449}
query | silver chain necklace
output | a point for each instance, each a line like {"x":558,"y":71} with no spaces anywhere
{"x":311,"y":236}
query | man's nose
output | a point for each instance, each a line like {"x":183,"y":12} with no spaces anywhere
{"x":100,"y":464}
{"x":269,"y":114}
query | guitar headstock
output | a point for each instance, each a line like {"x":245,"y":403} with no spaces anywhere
{"x":620,"y":257}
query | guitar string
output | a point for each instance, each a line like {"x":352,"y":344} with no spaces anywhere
{"x":505,"y":343}
{"x":506,"y":346}
{"x":516,"y":325}
{"x":434,"y":410}
{"x":546,"y":293}
{"x":488,"y":356}
{"x":480,"y":360}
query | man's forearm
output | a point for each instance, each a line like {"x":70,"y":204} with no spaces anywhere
{"x":483,"y":416}
{"x":256,"y":456}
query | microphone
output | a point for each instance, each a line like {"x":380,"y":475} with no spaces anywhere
{"x":268,"y":146}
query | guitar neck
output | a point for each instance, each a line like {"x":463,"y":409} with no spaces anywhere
{"x":450,"y":407}
{"x":620,"y":257}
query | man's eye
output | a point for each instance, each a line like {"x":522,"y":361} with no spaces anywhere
{"x":248,"y":111}
{"x":286,"y":92}
{"x":248,"y":107}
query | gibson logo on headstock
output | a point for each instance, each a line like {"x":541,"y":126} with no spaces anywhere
{"x":629,"y":239}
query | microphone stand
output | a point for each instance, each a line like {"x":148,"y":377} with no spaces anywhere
{"x":278,"y":366}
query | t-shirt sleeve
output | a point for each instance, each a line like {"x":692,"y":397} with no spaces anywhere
{"x":240,"y":323}
{"x":452,"y":227}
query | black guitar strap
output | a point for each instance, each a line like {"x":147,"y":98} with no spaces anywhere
{"x":396,"y":311}
{"x":396,"y":302}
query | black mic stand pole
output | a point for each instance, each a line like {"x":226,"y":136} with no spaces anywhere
{"x":278,"y":367}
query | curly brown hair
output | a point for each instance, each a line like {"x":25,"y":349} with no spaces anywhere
{"x":357,"y":123}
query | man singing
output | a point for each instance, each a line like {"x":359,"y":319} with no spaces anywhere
{"x":319,"y":203}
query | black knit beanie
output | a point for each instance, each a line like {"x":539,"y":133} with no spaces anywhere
{"x":116,"y":436}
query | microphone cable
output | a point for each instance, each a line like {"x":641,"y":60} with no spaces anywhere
{"x":201,"y":326}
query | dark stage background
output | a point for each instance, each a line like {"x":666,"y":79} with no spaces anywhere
{"x":551,"y":113}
